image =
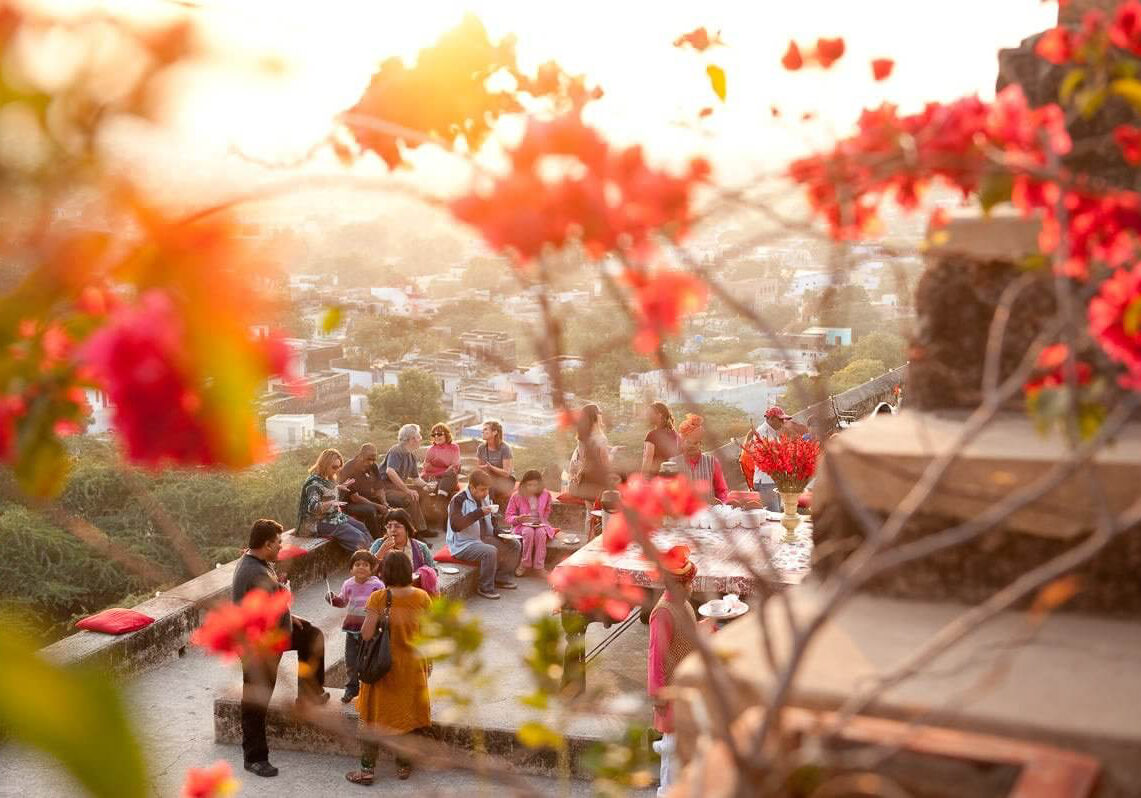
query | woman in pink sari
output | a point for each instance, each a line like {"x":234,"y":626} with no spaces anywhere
{"x":528,"y":514}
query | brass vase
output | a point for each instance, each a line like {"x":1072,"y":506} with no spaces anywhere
{"x":790,"y":500}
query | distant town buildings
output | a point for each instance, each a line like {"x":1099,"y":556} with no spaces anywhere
{"x":496,"y":347}
{"x":741,"y":385}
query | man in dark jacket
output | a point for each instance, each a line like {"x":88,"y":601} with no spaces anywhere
{"x":259,"y":674}
{"x":366,"y":498}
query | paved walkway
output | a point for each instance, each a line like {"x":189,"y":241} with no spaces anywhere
{"x":173,"y":710}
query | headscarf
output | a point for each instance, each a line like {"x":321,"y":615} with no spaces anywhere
{"x":692,"y":423}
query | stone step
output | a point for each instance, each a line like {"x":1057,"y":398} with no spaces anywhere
{"x":334,"y":732}
{"x":179,"y":611}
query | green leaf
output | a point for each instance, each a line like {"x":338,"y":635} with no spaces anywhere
{"x":1090,"y":418}
{"x":1125,"y":68}
{"x":537,"y":700}
{"x":1091,"y":100}
{"x":1070,"y":84}
{"x":1128,"y":89}
{"x":332,"y":319}
{"x":996,"y":187}
{"x":74,"y":715}
{"x":535,"y":735}
{"x":716,"y":80}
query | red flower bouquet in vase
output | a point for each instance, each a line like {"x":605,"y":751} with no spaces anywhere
{"x":791,"y":462}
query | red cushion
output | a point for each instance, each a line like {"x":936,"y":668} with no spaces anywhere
{"x":569,"y":498}
{"x":115,"y":621}
{"x":443,"y":555}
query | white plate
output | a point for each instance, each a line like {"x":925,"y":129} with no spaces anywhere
{"x":449,"y":569}
{"x":570,"y":539}
{"x":509,"y":536}
{"x":707,"y":611}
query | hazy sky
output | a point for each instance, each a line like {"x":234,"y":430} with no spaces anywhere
{"x":653,"y":91}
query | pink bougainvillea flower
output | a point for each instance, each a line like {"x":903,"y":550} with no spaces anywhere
{"x":661,"y":300}
{"x":881,"y":68}
{"x":1051,"y":360}
{"x":1125,"y":30}
{"x":1056,"y":46}
{"x":699,"y":39}
{"x":251,"y":628}
{"x":1115,"y":322}
{"x":1128,"y":138}
{"x":792,"y":60}
{"x":216,"y":781}
{"x":829,"y":51}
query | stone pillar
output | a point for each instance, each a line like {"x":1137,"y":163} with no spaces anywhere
{"x":1071,"y":13}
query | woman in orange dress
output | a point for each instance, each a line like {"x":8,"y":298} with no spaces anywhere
{"x":398,"y":703}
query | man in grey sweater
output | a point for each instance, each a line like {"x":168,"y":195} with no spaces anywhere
{"x":259,"y":674}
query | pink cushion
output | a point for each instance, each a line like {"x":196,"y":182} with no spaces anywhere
{"x":115,"y":621}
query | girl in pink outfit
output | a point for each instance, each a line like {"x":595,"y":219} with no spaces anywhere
{"x":528,"y":514}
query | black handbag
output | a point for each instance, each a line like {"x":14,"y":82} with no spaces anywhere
{"x":374,"y":660}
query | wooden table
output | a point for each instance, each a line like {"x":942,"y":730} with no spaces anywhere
{"x":719,"y":552}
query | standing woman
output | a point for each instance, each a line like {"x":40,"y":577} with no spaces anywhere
{"x":495,"y":460}
{"x":589,"y":468}
{"x":662,"y":442}
{"x":398,"y":703}
{"x":321,"y":512}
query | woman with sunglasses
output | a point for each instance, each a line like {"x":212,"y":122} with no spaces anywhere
{"x":442,"y":461}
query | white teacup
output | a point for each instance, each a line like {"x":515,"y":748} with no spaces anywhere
{"x":494,"y":507}
{"x":717,"y":607}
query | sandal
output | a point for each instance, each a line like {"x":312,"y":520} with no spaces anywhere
{"x":362,"y":777}
{"x":403,"y":772}
{"x":520,"y":571}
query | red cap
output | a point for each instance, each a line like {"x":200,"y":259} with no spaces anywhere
{"x":777,"y":412}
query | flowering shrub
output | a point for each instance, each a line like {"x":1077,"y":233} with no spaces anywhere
{"x":791,"y":462}
{"x":595,"y":587}
{"x":251,"y":628}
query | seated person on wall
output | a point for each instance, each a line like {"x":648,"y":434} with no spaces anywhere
{"x":399,"y":538}
{"x":366,"y":502}
{"x":321,"y":513}
{"x":255,"y":570}
{"x":495,"y":460}
{"x":402,"y":484}
{"x":702,"y":468}
{"x":472,"y":537}
{"x":442,"y":462}
{"x":590,"y":471}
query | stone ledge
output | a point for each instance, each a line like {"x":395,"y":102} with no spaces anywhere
{"x":286,"y":730}
{"x":884,"y":457}
{"x":180,"y":611}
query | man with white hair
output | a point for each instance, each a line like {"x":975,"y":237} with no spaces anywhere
{"x":401,"y":474}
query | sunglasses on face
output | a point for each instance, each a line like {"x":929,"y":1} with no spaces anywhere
{"x":438,"y":435}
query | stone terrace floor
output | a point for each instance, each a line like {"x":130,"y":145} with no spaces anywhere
{"x":173,"y":711}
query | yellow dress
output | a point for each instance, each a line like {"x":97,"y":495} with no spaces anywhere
{"x":398,"y":703}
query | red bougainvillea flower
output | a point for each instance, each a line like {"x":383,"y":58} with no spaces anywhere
{"x":1051,"y":360}
{"x":939,"y":219}
{"x":882,"y":67}
{"x":792,"y":60}
{"x":593,"y":587}
{"x":829,"y":51}
{"x":650,"y":501}
{"x":216,"y":781}
{"x":1115,"y":322}
{"x":660,"y":300}
{"x":1125,"y":30}
{"x":1056,"y":45}
{"x":1128,"y":138}
{"x":11,"y":408}
{"x":251,"y":628}
{"x":614,"y":201}
{"x":699,"y":39}
{"x":138,"y":359}
{"x":675,"y":557}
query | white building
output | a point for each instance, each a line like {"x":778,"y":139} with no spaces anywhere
{"x":740,"y":385}
{"x":101,"y":412}
{"x":806,"y":280}
{"x":290,"y":430}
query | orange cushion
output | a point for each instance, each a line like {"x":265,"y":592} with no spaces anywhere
{"x":115,"y":621}
{"x":569,"y":498}
{"x":443,"y":555}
